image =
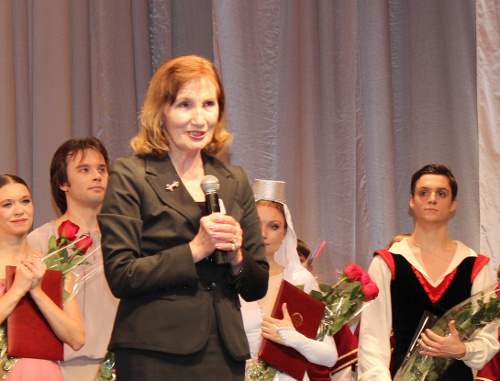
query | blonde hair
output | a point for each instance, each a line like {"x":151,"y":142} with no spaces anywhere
{"x":162,"y":91}
{"x":398,"y":238}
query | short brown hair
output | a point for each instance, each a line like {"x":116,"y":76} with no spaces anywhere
{"x":163,"y":90}
{"x":59,"y":165}
{"x":302,"y":248}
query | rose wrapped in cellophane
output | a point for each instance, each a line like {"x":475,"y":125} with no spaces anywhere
{"x":344,"y":301}
{"x":470,"y":317}
{"x":58,"y":257}
{"x":66,"y":253}
{"x":107,"y":369}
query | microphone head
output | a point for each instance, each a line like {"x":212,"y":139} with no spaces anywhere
{"x":210,"y":184}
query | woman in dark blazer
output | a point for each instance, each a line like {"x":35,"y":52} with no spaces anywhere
{"x":179,"y":316}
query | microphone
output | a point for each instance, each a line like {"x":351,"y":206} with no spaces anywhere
{"x":210,"y":186}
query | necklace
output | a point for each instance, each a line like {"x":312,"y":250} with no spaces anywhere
{"x":430,"y":252}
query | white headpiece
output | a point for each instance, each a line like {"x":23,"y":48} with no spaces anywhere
{"x":286,"y":255}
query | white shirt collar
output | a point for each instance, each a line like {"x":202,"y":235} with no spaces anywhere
{"x":461,"y":253}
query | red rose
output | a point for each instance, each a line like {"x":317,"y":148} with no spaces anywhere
{"x":365,"y":278}
{"x":353,"y":272}
{"x":83,"y":245}
{"x":370,"y":290}
{"x":67,"y":231}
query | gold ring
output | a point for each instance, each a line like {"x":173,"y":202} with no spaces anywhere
{"x":233,"y":247}
{"x":235,"y":239}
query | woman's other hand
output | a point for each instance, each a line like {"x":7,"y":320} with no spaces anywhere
{"x":218,"y":232}
{"x":270,"y":326}
{"x":22,"y":281}
{"x":37,"y":268}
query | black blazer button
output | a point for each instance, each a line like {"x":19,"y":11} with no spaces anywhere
{"x":211,"y":286}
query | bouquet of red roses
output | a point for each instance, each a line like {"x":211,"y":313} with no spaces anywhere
{"x":58,"y":256}
{"x":470,"y":317}
{"x":64,"y":253}
{"x":67,"y":251}
{"x":344,"y":301}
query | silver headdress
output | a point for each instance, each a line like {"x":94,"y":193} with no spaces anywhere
{"x":270,"y":190}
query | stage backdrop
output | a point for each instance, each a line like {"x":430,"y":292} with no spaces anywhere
{"x":343,"y":100}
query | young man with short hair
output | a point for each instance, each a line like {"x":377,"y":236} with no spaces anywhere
{"x":426,"y":271}
{"x":79,"y":177}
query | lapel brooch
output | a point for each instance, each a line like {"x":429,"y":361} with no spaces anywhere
{"x":170,"y":187}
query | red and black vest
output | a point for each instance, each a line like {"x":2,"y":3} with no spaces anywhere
{"x":412,"y":295}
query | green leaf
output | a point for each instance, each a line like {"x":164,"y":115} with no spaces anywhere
{"x":77,"y":261}
{"x":324,"y":287}
{"x":65,"y":294}
{"x":337,"y":324}
{"x":106,"y":372}
{"x":52,"y":244}
{"x":353,"y":288}
{"x":64,"y":255}
{"x":439,"y":331}
{"x":432,"y":376}
{"x":316,"y":294}
{"x":423,"y":364}
{"x":465,"y":324}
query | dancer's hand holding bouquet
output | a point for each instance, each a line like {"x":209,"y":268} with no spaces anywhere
{"x":344,"y":301}
{"x":464,"y":321}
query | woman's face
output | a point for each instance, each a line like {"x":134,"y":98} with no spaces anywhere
{"x":272,"y":223}
{"x":16,"y":209}
{"x":191,"y":119}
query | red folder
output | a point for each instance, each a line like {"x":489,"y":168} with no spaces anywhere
{"x":28,"y":332}
{"x":306,"y":313}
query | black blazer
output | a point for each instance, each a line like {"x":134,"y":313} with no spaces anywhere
{"x":165,"y":297}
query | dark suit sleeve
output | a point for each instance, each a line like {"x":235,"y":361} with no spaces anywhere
{"x":252,"y":283}
{"x":145,"y":244}
{"x":135,"y":264}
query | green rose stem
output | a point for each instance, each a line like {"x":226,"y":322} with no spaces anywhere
{"x":52,"y":259}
